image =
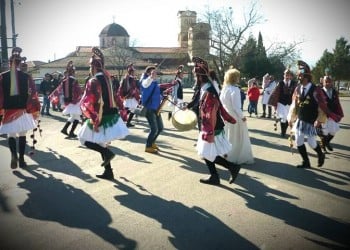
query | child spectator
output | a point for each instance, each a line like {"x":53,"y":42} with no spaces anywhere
{"x":253,"y":97}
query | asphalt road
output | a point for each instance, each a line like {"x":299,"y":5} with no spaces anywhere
{"x":157,"y":202}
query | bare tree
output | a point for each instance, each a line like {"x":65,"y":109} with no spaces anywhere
{"x":120,"y":57}
{"x":227,"y":38}
{"x":286,"y":52}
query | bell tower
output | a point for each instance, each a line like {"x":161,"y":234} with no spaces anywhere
{"x":186,"y":20}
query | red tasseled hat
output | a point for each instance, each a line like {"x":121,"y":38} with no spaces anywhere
{"x":70,"y":69}
{"x":130,"y":68}
{"x":97,"y":58}
{"x":200,"y":66}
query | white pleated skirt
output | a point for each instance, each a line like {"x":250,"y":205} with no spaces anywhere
{"x":23,"y":123}
{"x":330,"y":127}
{"x":104,"y":135}
{"x":131,"y":104}
{"x":209,"y":150}
{"x":72,"y":109}
{"x":282,"y":112}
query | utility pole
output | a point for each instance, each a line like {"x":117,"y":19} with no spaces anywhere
{"x":4,"y":53}
{"x":14,"y":35}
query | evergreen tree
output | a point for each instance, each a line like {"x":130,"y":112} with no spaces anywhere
{"x":248,"y":55}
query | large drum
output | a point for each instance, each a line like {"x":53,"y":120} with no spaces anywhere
{"x":184,"y":120}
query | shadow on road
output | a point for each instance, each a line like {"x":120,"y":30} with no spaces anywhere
{"x":191,"y":227}
{"x":263,"y":199}
{"x":69,"y":206}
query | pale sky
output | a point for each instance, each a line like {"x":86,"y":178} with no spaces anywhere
{"x":49,"y":30}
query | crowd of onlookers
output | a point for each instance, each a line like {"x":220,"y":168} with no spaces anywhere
{"x":47,"y":85}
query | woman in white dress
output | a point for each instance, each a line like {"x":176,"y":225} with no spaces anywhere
{"x":237,"y":134}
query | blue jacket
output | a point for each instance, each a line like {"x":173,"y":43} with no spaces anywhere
{"x":150,"y":94}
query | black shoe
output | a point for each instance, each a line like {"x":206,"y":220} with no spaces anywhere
{"x":14,"y":163}
{"x":321,"y":159}
{"x":305,"y":164}
{"x":130,"y":125}
{"x":48,"y":114}
{"x":108,"y":156}
{"x":212,"y":180}
{"x":22,"y":163}
{"x":234,"y":170}
{"x":329,"y":147}
{"x":107,"y":174}
{"x":72,"y":135}
{"x":63,"y":131}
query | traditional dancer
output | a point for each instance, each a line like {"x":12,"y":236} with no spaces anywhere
{"x":212,"y":145}
{"x":72,"y":92}
{"x":177,"y":90}
{"x":335,"y":113}
{"x":104,"y":123}
{"x":130,"y":93}
{"x":281,"y":99}
{"x":20,"y":106}
{"x":306,"y":101}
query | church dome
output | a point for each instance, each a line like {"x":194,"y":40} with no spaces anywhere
{"x":114,"y":29}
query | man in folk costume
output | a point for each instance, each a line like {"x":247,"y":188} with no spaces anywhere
{"x":72,"y":92}
{"x":304,"y":114}
{"x":334,"y":114}
{"x":104,"y":123}
{"x":130,"y":93}
{"x":20,"y":106}
{"x":177,"y":90}
{"x":212,"y":144}
{"x":281,"y":99}
{"x":268,"y":86}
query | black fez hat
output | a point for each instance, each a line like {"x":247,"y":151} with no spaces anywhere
{"x":16,"y":56}
{"x":180,"y":69}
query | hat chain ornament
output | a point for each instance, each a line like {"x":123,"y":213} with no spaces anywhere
{"x":32,"y":136}
{"x":276,"y":121}
{"x":291,"y":141}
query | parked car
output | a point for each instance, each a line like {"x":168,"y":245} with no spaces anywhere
{"x":37,"y":82}
{"x":342,"y":88}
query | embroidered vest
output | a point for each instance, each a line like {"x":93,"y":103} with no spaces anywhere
{"x":286,"y":92}
{"x":107,"y":110}
{"x":331,"y":101}
{"x":308,"y":106}
{"x":17,"y":101}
